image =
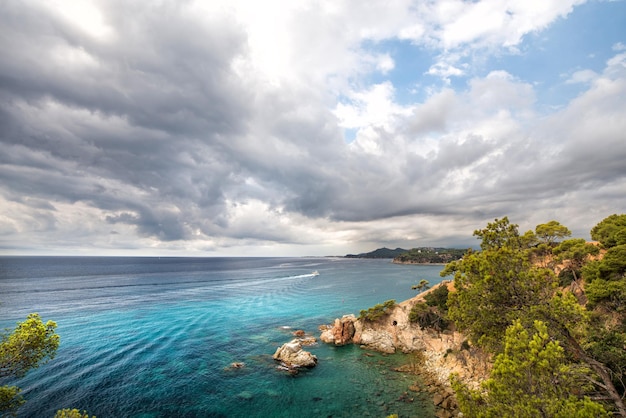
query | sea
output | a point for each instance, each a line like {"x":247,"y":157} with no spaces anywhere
{"x":149,"y":337}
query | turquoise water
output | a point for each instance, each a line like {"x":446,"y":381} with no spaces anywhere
{"x":149,"y":337}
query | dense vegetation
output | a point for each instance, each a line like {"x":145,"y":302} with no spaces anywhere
{"x":432,"y":313}
{"x":379,"y":253}
{"x":421,"y":255}
{"x":429,"y":255}
{"x":558,"y":342}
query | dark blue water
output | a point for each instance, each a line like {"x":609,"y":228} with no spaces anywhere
{"x":153,"y":337}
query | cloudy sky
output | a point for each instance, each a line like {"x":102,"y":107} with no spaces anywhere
{"x":305,"y":127}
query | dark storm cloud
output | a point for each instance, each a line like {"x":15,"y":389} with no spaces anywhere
{"x":163,"y":70}
{"x":152,"y":109}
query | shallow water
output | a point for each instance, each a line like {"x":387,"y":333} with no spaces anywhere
{"x":153,"y":337}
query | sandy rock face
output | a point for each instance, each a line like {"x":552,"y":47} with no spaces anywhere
{"x":292,"y":355}
{"x":376,"y":340}
{"x":341,"y":332}
{"x":392,"y":333}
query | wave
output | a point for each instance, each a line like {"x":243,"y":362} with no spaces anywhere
{"x":217,"y":281}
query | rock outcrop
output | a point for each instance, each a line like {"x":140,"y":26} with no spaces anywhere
{"x":292,"y":356}
{"x":341,"y":332}
{"x":442,"y":353}
{"x":394,"y":332}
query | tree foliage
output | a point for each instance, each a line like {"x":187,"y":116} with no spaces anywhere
{"x":574,"y":253}
{"x":377,"y":311}
{"x":607,"y":344}
{"x":550,"y":232}
{"x":611,"y":267}
{"x":530,"y":378}
{"x":500,"y":234}
{"x":496,"y":285}
{"x":423,"y":285}
{"x":10,"y":400}
{"x":71,"y":413}
{"x":426,"y":316}
{"x":31,"y":344}
{"x":611,"y":231}
{"x":606,"y":280}
{"x":505,"y":285}
{"x":438,"y":298}
{"x":433,"y":313}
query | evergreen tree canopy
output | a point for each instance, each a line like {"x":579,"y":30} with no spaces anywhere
{"x":506,"y":290}
{"x":611,"y":231}
{"x":550,"y":232}
{"x":496,"y":285}
{"x":531,"y":378}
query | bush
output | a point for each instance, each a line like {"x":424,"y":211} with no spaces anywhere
{"x":438,"y":298}
{"x":566,"y":277}
{"x":378,"y":311}
{"x":427,"y":317}
{"x":418,"y":311}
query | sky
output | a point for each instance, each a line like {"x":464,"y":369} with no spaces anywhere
{"x":304,"y":128}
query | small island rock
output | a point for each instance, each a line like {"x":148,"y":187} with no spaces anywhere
{"x":293,"y":356}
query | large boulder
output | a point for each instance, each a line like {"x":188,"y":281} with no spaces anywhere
{"x":292,"y":355}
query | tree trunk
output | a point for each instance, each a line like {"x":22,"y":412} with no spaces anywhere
{"x":599,"y":368}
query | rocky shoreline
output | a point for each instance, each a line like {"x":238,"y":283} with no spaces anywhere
{"x":438,"y":354}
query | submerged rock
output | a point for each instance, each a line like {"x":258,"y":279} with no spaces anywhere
{"x":245,"y":395}
{"x":236,"y":365}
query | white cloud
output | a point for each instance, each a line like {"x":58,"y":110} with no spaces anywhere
{"x":325,"y":39}
{"x":491,"y":23}
{"x":445,"y":70}
{"x":582,"y":76}
{"x":385,"y":63}
{"x":619,"y":46}
{"x":373,"y":107}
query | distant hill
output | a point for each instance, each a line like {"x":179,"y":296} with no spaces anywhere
{"x":429,"y":255}
{"x":379,"y":253}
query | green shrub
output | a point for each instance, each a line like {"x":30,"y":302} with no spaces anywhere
{"x":418,"y":311}
{"x":378,"y":311}
{"x":427,"y":317}
{"x":566,"y":277}
{"x":71,"y":413}
{"x":438,"y":298}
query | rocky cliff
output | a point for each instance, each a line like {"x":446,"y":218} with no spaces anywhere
{"x":442,"y":353}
